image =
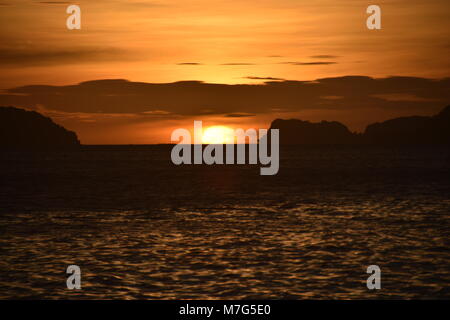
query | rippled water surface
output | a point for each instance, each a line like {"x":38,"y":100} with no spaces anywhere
{"x":140,"y":227}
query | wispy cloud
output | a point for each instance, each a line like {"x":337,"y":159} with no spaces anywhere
{"x":263,"y":78}
{"x":40,"y":57}
{"x":238,"y":64}
{"x":189,"y":64}
{"x":314,"y":63}
{"x":324,"y":56}
{"x":239,"y":115}
{"x":54,"y":2}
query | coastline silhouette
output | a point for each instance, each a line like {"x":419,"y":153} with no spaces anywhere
{"x":405,"y":130}
{"x":29,"y":129}
{"x":20,"y":129}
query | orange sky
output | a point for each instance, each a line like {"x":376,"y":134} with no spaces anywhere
{"x":218,"y":41}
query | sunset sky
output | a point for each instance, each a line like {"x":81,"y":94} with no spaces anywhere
{"x":226,"y":42}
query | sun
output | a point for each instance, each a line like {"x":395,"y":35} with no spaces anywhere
{"x":218,"y":135}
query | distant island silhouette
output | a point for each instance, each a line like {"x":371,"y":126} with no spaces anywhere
{"x":22,"y":129}
{"x":405,"y":130}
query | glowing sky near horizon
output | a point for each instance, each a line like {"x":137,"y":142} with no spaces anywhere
{"x":218,"y":41}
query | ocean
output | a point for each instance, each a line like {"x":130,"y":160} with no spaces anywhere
{"x":140,"y":227}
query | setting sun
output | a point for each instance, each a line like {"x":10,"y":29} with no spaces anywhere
{"x":218,"y":135}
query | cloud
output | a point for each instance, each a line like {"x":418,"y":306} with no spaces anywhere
{"x":295,"y":63}
{"x":237,"y":64}
{"x":139,"y":4}
{"x":127,"y":5}
{"x":38,"y":57}
{"x":239,"y":115}
{"x":324,"y":56}
{"x":189,"y":64}
{"x":401,"y":97}
{"x":196,"y":98}
{"x":332,"y":97}
{"x":264,"y":78}
{"x":54,"y":2}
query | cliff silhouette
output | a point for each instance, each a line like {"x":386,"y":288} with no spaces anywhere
{"x":398,"y":131}
{"x":22,"y":129}
{"x":296,"y":131}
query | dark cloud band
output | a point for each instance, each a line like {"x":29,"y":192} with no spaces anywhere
{"x":190,"y":98}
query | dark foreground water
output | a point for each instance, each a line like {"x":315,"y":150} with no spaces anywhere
{"x":140,"y":227}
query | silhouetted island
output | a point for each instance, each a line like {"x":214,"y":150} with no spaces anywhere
{"x":411,"y":130}
{"x":22,"y":129}
{"x":405,"y":130}
{"x":294,"y":131}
